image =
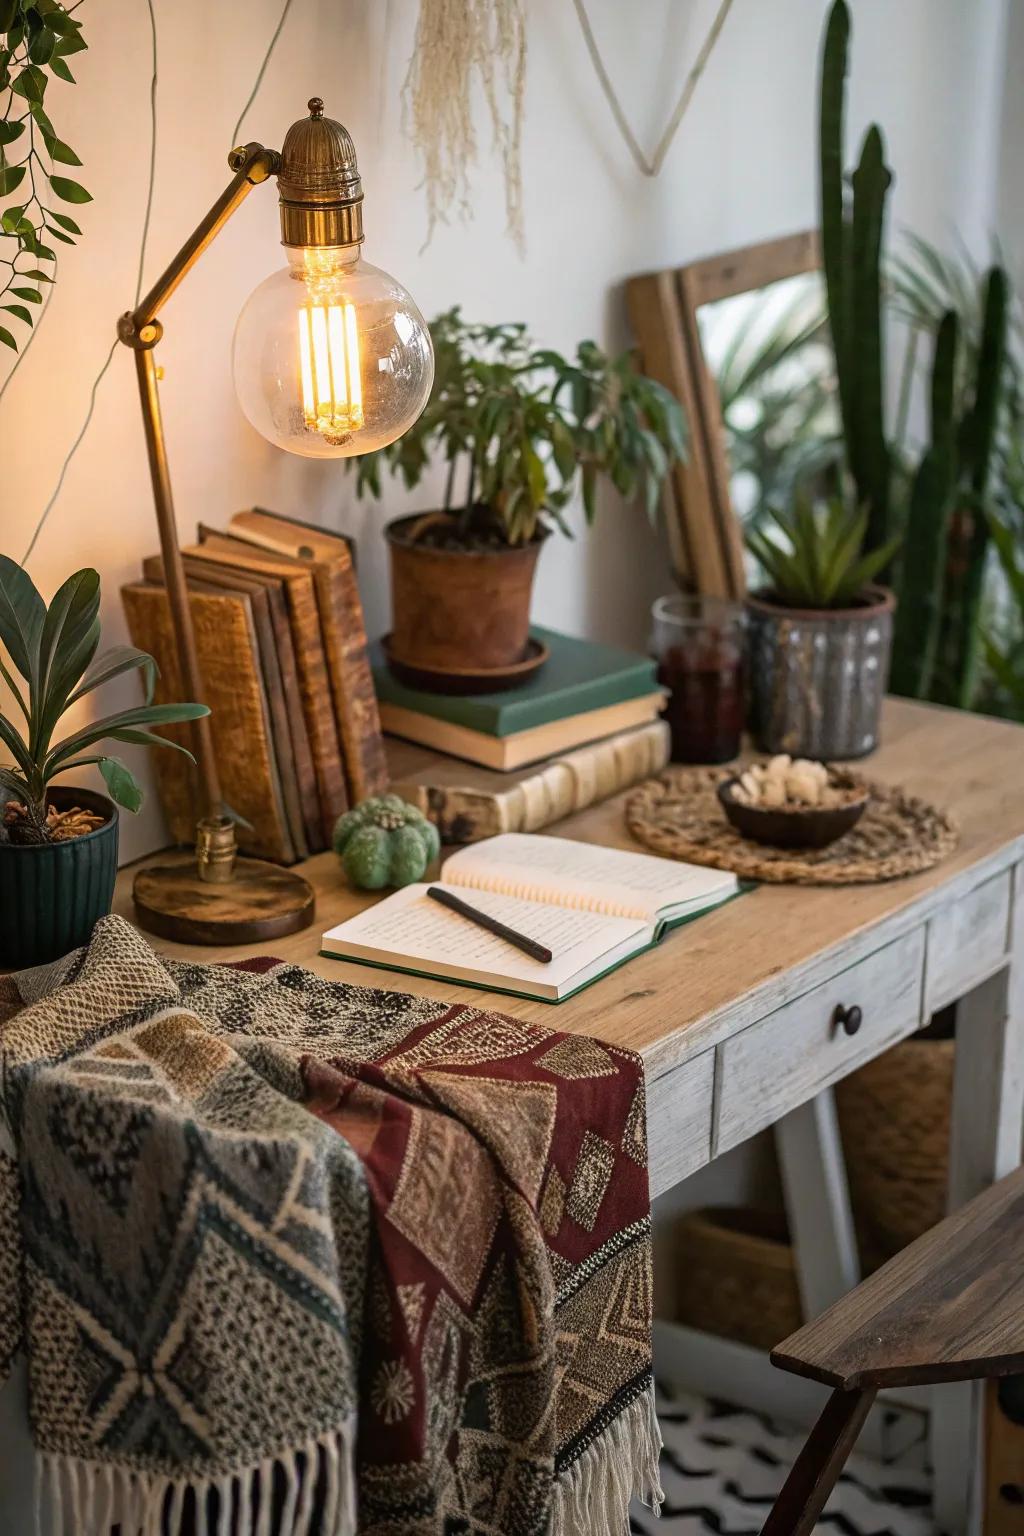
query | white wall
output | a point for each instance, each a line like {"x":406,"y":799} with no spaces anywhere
{"x":742,"y":169}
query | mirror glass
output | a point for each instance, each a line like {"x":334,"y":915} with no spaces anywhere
{"x":770,"y":353}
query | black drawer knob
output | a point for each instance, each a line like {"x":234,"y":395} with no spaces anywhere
{"x":848,"y":1019}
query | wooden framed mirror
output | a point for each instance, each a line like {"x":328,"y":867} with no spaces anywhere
{"x":754,"y":322}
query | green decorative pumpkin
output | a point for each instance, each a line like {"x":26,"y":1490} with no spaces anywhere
{"x":385,"y":841}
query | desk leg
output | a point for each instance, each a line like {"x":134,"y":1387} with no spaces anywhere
{"x":985,"y":1144}
{"x":817,"y":1200}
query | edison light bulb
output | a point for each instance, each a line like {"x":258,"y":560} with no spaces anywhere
{"x":331,"y":356}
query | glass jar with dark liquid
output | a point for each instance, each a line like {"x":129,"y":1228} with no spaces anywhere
{"x":698,"y":645}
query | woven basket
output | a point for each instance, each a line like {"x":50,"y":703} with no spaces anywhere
{"x":894,"y":1115}
{"x":738,"y":1276}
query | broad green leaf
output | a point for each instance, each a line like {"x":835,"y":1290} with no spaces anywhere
{"x":22,"y":313}
{"x":8,"y":13}
{"x":70,"y":190}
{"x":18,"y":749}
{"x":36,"y":276}
{"x":9,"y":679}
{"x":72,"y":42}
{"x":58,"y":67}
{"x":31,"y":84}
{"x":8,"y":340}
{"x":31,"y":294}
{"x":22,"y":616}
{"x":11,"y":131}
{"x":121,"y":783}
{"x":112,"y":663}
{"x":11,"y":176}
{"x":56,"y":235}
{"x":40,"y":50}
{"x":114,"y":726}
{"x":67,"y":645}
{"x":59,"y":151}
{"x":11,"y":218}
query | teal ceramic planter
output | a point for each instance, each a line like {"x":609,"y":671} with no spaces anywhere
{"x":51,"y":895}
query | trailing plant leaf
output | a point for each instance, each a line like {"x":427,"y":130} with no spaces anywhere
{"x":523,"y":428}
{"x":53,"y":649}
{"x":34,"y":42}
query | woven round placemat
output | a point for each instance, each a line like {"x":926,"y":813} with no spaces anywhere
{"x":678,"y":814}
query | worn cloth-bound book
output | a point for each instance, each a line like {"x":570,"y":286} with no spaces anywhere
{"x":233,"y":687}
{"x":310,"y":657}
{"x":584,"y":691}
{"x":468,"y":803}
{"x":270,"y":666}
{"x":329,"y":557}
{"x":593,"y":907}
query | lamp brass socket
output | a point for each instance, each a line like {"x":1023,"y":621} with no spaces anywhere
{"x":318,"y":179}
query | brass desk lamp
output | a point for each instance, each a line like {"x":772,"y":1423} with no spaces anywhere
{"x":331,"y":359}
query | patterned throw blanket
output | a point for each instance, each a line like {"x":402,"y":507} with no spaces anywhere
{"x":281,"y":1249}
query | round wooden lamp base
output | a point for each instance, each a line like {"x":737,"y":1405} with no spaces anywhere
{"x":262,"y":901}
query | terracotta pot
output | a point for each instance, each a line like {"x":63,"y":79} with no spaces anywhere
{"x":818,"y":676}
{"x":458,"y":608}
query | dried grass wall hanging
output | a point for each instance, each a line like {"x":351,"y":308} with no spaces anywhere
{"x":459,"y":45}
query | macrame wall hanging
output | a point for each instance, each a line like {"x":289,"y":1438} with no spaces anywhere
{"x":461,"y":43}
{"x":650,"y":166}
{"x":464,"y":44}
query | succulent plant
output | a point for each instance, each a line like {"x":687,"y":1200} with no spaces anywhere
{"x":53,"y":650}
{"x":384,"y":841}
{"x":824,"y":565}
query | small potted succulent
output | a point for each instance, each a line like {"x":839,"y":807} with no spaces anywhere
{"x":520,"y":429}
{"x":819,"y":634}
{"x":58,"y":844}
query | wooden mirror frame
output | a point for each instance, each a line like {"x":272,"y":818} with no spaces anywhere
{"x":705,"y":537}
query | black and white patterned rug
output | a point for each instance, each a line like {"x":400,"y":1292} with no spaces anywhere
{"x":721,"y":1467}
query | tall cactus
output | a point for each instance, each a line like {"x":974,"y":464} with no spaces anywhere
{"x":976,"y":446}
{"x":919,"y":610}
{"x":852,"y":236}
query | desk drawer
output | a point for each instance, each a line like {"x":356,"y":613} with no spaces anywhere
{"x":967,"y":941}
{"x":785,"y":1059}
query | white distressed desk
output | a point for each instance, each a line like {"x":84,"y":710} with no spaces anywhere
{"x":734,"y":1014}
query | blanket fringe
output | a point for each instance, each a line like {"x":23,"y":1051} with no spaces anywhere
{"x":89,"y":1496}
{"x":592,"y":1496}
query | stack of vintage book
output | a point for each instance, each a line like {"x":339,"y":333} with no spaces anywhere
{"x":282,"y":653}
{"x":585,"y":726}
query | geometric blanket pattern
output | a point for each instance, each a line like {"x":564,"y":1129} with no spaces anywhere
{"x":292,"y":1255}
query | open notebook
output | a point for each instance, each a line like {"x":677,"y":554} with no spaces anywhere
{"x":593,"y":907}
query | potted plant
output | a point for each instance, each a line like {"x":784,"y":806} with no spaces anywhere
{"x":820,"y":633}
{"x":58,"y":844}
{"x":520,"y":429}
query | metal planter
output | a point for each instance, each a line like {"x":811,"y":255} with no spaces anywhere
{"x":818,"y":677}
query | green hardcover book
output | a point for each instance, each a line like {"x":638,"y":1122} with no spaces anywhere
{"x":578,"y":677}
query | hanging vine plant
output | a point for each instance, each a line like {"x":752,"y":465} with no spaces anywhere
{"x":38,"y":37}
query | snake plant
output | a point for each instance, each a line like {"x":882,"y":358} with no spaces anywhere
{"x":53,"y":651}
{"x":822,"y":564}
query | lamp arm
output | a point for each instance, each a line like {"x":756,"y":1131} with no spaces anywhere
{"x":252,"y":164}
{"x":141,"y":330}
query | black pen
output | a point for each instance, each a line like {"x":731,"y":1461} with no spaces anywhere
{"x":484,"y":920}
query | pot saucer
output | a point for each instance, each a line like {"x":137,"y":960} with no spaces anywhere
{"x":453,"y":680}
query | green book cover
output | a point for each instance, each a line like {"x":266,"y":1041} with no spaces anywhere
{"x":578,"y":676}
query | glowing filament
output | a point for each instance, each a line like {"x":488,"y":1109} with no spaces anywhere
{"x":332,"y":389}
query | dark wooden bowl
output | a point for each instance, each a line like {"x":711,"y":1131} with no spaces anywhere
{"x":810,"y":826}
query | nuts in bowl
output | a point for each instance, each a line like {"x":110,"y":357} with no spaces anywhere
{"x":793,"y":803}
